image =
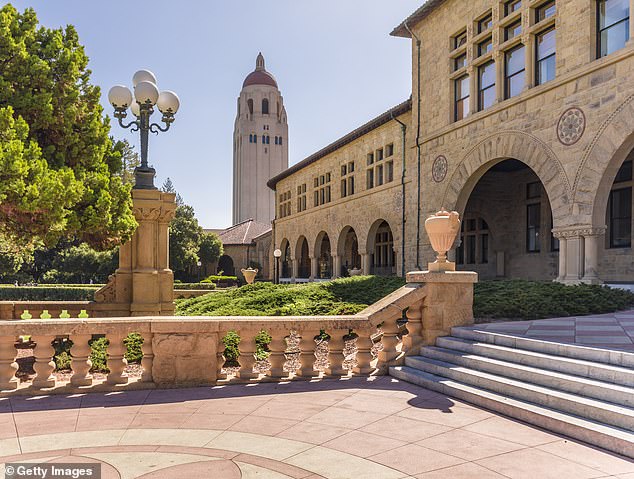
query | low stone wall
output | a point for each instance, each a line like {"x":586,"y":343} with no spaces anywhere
{"x":188,"y":351}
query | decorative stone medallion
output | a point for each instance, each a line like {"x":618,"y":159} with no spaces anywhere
{"x":439,"y":169}
{"x":571,"y":126}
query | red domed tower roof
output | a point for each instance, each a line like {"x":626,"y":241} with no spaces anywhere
{"x":260,"y":76}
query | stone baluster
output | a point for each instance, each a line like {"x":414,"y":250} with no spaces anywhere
{"x":44,"y":365}
{"x":307,"y":354}
{"x":220,"y":362}
{"x":148,"y":358}
{"x":413,"y":340}
{"x":116,"y":359}
{"x":277,"y":357}
{"x":364,"y":354}
{"x":335,"y":355}
{"x":8,"y":366}
{"x":391,"y":343}
{"x":247,"y":358}
{"x":80,"y":363}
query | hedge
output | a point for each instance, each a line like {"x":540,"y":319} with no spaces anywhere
{"x":46,"y":293}
{"x":194,"y":286}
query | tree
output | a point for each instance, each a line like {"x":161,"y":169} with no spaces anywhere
{"x":185,"y":237}
{"x":61,"y":173}
{"x":129,"y":160}
{"x":81,"y":264}
{"x":168,"y":187}
{"x":210,"y":249}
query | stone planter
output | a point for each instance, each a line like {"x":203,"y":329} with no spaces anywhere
{"x":249,"y":274}
{"x":442,"y":229}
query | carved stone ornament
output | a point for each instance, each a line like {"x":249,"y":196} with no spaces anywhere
{"x":577,"y":232}
{"x":571,"y":126}
{"x":439,"y":169}
{"x":146,"y":214}
{"x":107,"y":293}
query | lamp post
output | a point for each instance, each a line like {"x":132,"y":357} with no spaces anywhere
{"x":199,"y":264}
{"x":277,"y":254}
{"x":146,"y":96}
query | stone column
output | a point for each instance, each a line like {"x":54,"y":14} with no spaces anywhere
{"x":314,"y":268}
{"x":563,"y":248}
{"x":294,"y":269}
{"x":448,"y":301}
{"x":573,"y":265}
{"x":592,"y":237}
{"x":143,"y":285}
{"x":365,"y":263}
{"x":336,"y":266}
{"x":574,"y":262}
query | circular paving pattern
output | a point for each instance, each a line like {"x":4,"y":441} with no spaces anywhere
{"x":439,"y":169}
{"x":571,"y":126}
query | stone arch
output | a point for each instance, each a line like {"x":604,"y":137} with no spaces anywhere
{"x":225,"y":264}
{"x":601,"y":161}
{"x":302,"y":257}
{"x":285,"y":259}
{"x":348,"y":248}
{"x":323,"y":255}
{"x":386,"y":263}
{"x":516,"y":145}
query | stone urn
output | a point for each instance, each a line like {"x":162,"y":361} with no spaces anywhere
{"x":355,"y":272}
{"x":442,"y":229}
{"x":249,"y":274}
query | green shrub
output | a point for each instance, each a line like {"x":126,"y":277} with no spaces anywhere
{"x":520,"y":299}
{"x":133,"y":344}
{"x":46,"y":293}
{"x":99,"y":354}
{"x":232,"y":352}
{"x":62,"y":357}
{"x":200,"y":285}
{"x":262,"y":341}
{"x":339,"y":297}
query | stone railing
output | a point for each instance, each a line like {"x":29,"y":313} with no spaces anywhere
{"x":189,"y":351}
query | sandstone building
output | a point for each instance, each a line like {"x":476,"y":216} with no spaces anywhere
{"x":521,"y":118}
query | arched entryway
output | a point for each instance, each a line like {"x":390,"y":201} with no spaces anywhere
{"x":380,"y":246}
{"x":507,"y":223}
{"x":225,"y":266}
{"x":302,"y":256}
{"x":323,"y":257}
{"x":348,"y":250}
{"x":285,"y":260}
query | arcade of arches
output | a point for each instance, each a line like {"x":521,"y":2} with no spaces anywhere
{"x":333,"y":259}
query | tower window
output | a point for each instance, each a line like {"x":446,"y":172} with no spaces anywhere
{"x":265,"y":107}
{"x":250,"y":105}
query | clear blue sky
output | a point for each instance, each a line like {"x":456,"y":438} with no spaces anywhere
{"x":334,"y":61}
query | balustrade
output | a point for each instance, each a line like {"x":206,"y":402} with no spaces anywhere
{"x":44,"y":364}
{"x":307,"y":353}
{"x":81,"y":362}
{"x":335,"y":355}
{"x":116,"y":359}
{"x":247,"y":355}
{"x":277,"y":356}
{"x":8,"y":366}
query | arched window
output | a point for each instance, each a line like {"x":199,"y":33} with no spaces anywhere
{"x":265,"y":107}
{"x":250,"y":105}
{"x":280,"y":140}
{"x":268,"y":139}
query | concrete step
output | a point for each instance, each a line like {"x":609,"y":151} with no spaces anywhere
{"x":576,"y":367}
{"x":594,"y":409}
{"x":607,"y":437}
{"x":605,"y":356}
{"x":591,"y":388}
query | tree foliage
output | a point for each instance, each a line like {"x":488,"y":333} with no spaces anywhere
{"x":210,"y":248}
{"x":61,"y":173}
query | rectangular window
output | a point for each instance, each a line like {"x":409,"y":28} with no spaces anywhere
{"x":316,"y":203}
{"x":351,"y":167}
{"x":316,"y":182}
{"x":512,"y":6}
{"x":513,"y":30}
{"x":485,"y":46}
{"x":625,"y":172}
{"x":533,"y":190}
{"x":351,"y":185}
{"x":344,"y":188}
{"x":344,"y":170}
{"x":389,"y":150}
{"x":460,"y":62}
{"x":461,"y":108}
{"x":327,"y":194}
{"x":484,"y":248}
{"x":545,"y":56}
{"x":470,"y":249}
{"x":486,"y":85}
{"x":485,"y":23}
{"x":389,"y":171}
{"x":471,"y":224}
{"x":613,"y":21}
{"x":460,"y":39}
{"x":379,"y":175}
{"x":370,"y":178}
{"x":379,"y":154}
{"x":514,"y":71}
{"x":370,"y":158}
{"x":545,"y":11}
{"x":620,"y":218}
{"x":533,"y":219}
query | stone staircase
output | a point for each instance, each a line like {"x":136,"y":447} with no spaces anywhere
{"x":584,"y":393}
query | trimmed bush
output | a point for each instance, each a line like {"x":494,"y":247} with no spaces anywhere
{"x":340,"y":297}
{"x":46,"y":293}
{"x":520,"y":299}
{"x":200,"y":285}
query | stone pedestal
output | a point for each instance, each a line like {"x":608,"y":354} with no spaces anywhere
{"x":143,"y":285}
{"x":448,"y":302}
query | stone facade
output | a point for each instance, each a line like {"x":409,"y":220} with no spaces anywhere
{"x":553,"y":134}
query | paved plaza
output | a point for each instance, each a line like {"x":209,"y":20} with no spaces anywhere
{"x":355,"y":428}
{"x":607,"y":331}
